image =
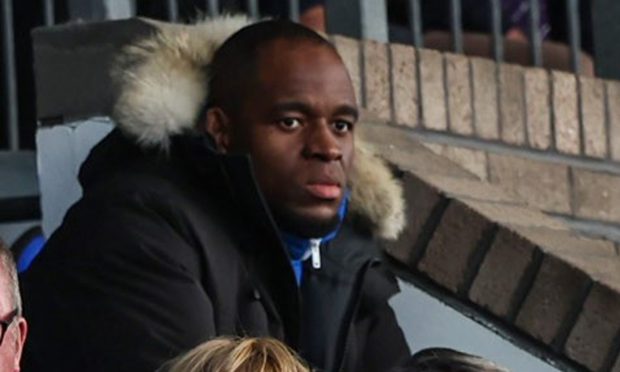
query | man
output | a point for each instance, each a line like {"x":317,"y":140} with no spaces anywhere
{"x":13,"y":327}
{"x":181,"y":236}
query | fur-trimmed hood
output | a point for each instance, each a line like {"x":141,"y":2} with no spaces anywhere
{"x":162,"y":90}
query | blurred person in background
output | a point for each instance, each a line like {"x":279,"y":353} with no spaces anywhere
{"x":13,"y":327}
{"x":438,"y":359}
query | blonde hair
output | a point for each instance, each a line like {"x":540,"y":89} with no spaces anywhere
{"x":240,"y":355}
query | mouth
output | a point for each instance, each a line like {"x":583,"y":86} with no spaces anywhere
{"x":325,"y":190}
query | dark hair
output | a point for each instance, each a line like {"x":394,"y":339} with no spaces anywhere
{"x":234,"y":66}
{"x":447,"y":360}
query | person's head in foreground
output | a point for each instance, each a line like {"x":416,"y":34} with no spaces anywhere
{"x":240,"y":355}
{"x":281,"y":93}
{"x":448,"y":360}
{"x":13,"y":327}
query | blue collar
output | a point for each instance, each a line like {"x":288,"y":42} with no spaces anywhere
{"x":299,"y":248}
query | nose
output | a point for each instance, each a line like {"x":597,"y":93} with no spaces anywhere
{"x":322,"y":143}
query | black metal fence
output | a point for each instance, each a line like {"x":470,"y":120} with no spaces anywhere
{"x":360,"y":18}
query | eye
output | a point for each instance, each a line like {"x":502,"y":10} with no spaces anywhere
{"x":342,"y":126}
{"x":289,"y":123}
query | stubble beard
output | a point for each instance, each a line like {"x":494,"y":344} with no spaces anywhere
{"x":304,"y":226}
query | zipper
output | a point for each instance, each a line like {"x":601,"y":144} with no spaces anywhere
{"x":315,"y":252}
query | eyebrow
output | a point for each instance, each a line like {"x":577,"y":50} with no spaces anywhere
{"x":306,"y":109}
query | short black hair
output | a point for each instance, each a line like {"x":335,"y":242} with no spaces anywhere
{"x":234,"y":66}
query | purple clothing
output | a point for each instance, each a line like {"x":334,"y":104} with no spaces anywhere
{"x":518,"y":15}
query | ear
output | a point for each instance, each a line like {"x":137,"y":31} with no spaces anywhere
{"x":20,"y":340}
{"x":217,"y":124}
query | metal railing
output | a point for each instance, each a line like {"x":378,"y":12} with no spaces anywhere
{"x":360,"y":18}
{"x":9,"y":76}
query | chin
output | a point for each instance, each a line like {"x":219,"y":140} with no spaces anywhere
{"x":314,"y":223}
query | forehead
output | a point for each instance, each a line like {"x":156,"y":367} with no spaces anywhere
{"x":294,"y":66}
{"x":5,"y":292}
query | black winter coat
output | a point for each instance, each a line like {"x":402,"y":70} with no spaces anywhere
{"x":167,"y":250}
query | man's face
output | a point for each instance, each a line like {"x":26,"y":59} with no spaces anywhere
{"x":13,"y":342}
{"x":297,"y":124}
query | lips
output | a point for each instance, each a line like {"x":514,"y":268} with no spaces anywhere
{"x":327,"y":191}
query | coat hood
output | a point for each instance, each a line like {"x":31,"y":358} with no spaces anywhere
{"x":162,"y":81}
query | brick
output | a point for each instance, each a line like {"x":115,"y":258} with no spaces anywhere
{"x":593,"y":113}
{"x":556,"y":292}
{"x":434,"y":115}
{"x":514,"y":215}
{"x":404,"y":85}
{"x":593,"y":336}
{"x":565,"y":112}
{"x":497,"y":284}
{"x":401,"y":149}
{"x":349,"y":50}
{"x":596,"y":195}
{"x":459,"y":94}
{"x":613,"y":97}
{"x":454,"y":243}
{"x":486,"y":114}
{"x":512,"y":102}
{"x":472,"y":189}
{"x":472,"y":160}
{"x":377,"y":79}
{"x":537,"y":110}
{"x":551,"y":190}
{"x":420,"y":199}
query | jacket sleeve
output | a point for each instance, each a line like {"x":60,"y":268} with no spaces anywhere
{"x":383,"y":345}
{"x":113,"y":277}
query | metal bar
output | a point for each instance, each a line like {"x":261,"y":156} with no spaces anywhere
{"x":574,"y":34}
{"x":293,"y":10}
{"x":373,"y":17}
{"x":9,"y":72}
{"x":498,"y":37}
{"x":415,"y":23}
{"x":213,"y":7}
{"x":535,"y":34}
{"x":605,"y":29}
{"x":456,"y":25}
{"x":172,"y":7}
{"x":362,"y":19}
{"x":253,"y":9}
{"x":48,"y":12}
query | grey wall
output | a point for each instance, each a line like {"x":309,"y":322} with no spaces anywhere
{"x":427,"y":322}
{"x":62,"y":149}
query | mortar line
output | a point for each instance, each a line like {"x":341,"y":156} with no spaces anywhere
{"x":441,"y":137}
{"x":582,"y":131}
{"x":607,"y":115}
{"x":525,"y":285}
{"x":391,"y":95}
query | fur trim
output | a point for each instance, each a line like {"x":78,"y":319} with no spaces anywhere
{"x":376,"y":195}
{"x":163,"y":78}
{"x":162,"y":89}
